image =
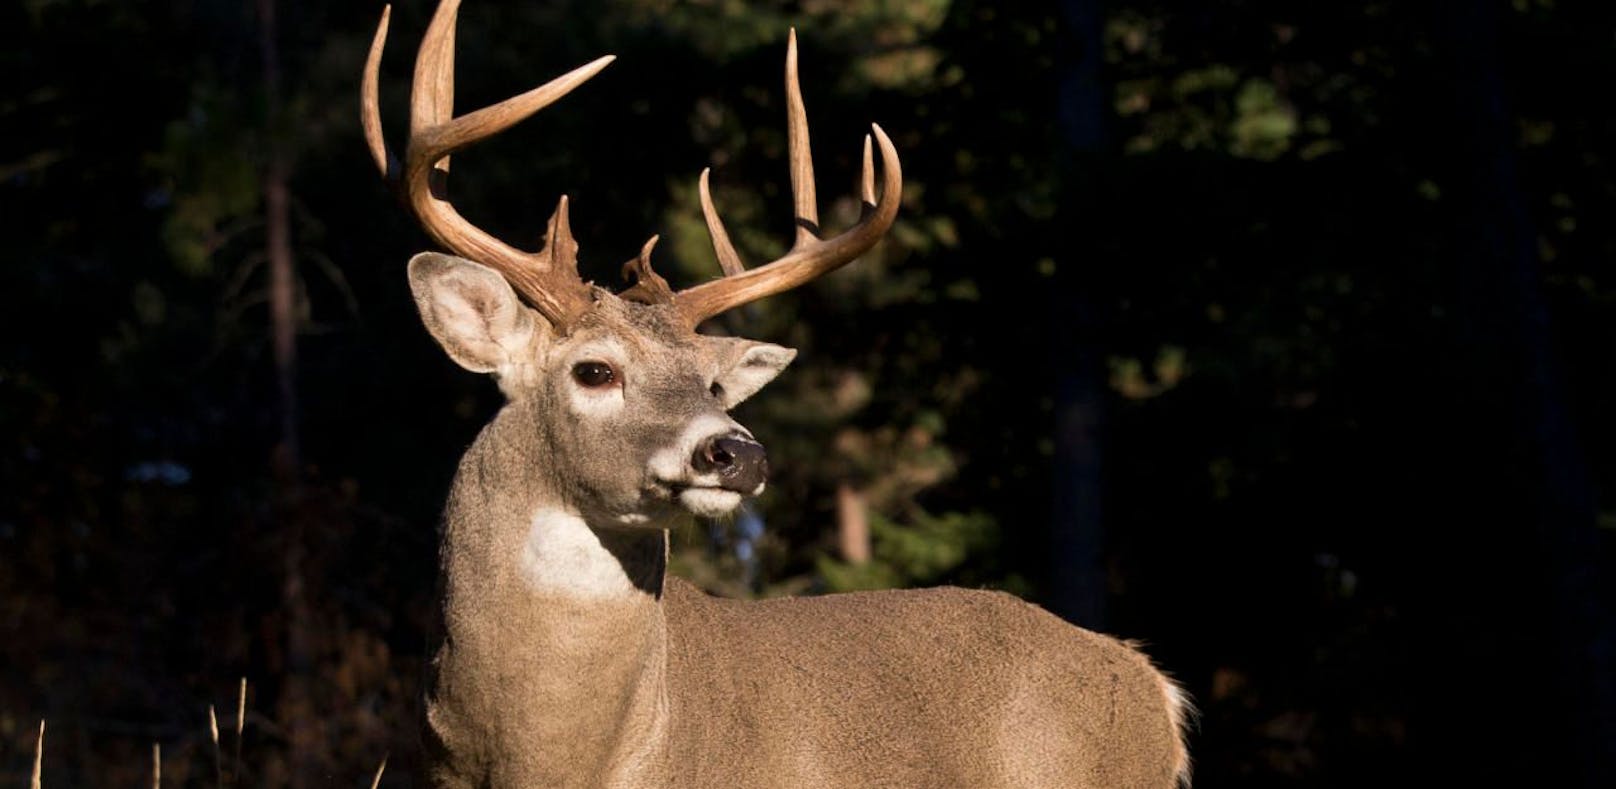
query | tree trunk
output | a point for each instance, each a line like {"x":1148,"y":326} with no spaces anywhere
{"x":294,"y":705}
{"x":1540,"y":683}
{"x":852,"y":524}
{"x":1078,"y":587}
{"x":282,"y":315}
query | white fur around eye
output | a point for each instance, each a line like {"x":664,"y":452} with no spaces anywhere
{"x":596,"y":402}
{"x":601,"y":403}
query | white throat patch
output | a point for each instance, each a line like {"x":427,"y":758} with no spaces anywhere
{"x":563,"y":557}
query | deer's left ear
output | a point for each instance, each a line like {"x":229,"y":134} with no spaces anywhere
{"x":744,"y":366}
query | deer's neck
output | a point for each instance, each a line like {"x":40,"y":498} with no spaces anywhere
{"x":555,"y":643}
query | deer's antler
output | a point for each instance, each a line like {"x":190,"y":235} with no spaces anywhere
{"x":547,"y":279}
{"x":810,"y":256}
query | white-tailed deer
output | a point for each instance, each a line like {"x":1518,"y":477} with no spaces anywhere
{"x":570,"y":658}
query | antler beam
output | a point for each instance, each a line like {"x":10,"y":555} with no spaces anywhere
{"x":547,"y":279}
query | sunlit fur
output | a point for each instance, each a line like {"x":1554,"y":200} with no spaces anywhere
{"x":1183,"y":714}
{"x":569,"y":658}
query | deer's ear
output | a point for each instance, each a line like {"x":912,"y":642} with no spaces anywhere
{"x":744,"y":366}
{"x":472,"y":312}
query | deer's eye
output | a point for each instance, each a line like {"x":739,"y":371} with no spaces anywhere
{"x":594,"y":374}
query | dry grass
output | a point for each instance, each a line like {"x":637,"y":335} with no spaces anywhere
{"x":213,"y":736}
{"x":220,"y":774}
{"x":241,"y":722}
{"x":39,"y":753}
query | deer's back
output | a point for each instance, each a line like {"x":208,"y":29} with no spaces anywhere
{"x":936,"y":687}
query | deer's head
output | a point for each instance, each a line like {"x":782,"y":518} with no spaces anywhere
{"x":626,"y":400}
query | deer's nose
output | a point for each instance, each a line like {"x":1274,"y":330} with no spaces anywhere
{"x":740,"y":463}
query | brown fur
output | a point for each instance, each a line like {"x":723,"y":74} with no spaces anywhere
{"x":630,"y":678}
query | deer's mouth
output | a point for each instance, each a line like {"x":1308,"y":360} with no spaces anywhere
{"x":708,"y":502}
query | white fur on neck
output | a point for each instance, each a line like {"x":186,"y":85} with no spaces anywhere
{"x":563,"y":557}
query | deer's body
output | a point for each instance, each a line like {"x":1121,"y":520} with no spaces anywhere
{"x":570,"y":658}
{"x":554,"y":674}
{"x":934,"y":687}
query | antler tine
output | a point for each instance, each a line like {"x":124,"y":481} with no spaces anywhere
{"x":810,"y":256}
{"x":805,"y":263}
{"x":548,"y":280}
{"x":802,"y":158}
{"x":370,"y":103}
{"x":431,"y":125}
{"x":432,"y":91}
{"x":649,"y":287}
{"x":867,"y":178}
{"x":728,"y":259}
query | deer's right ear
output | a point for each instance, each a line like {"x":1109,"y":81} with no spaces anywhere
{"x":472,"y":312}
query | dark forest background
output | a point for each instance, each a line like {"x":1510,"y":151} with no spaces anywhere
{"x":1280,"y":336}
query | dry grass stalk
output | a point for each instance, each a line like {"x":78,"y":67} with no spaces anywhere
{"x":241,"y":723}
{"x":39,"y":753}
{"x":377,"y":781}
{"x":218,"y":761}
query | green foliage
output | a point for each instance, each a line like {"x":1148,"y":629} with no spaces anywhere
{"x":923,"y":552}
{"x":210,"y":175}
